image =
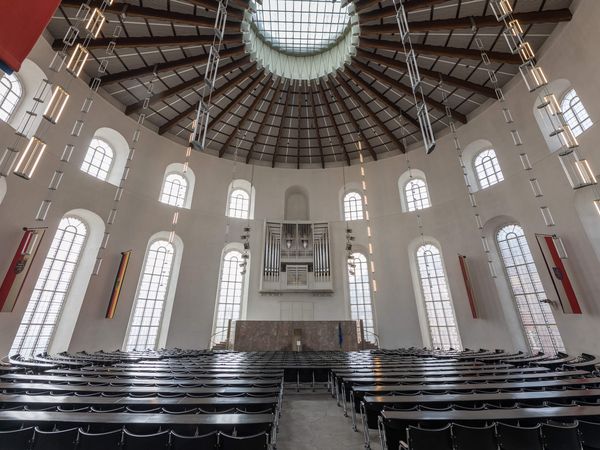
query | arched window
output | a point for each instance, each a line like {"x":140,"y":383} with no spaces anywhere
{"x":487,"y":168}
{"x":239,"y":204}
{"x":51,"y":289}
{"x":11,"y":92}
{"x":359,"y":286}
{"x":229,"y":294}
{"x":416,"y":193}
{"x":353,"y":206}
{"x":575,"y":113}
{"x":98,"y":159}
{"x":536,"y":316}
{"x":174,"y":190}
{"x":148,"y":311}
{"x":436,"y":297}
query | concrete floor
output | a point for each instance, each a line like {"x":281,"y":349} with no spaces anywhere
{"x":313,"y":421}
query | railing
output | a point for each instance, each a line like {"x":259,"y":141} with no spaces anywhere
{"x":367,"y":338}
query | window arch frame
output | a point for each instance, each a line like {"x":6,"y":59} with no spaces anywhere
{"x":91,"y":153}
{"x":578,"y":124}
{"x":180,"y":200}
{"x":12,"y":81}
{"x":353,"y":206}
{"x":491,"y":179}
{"x":245,"y":185}
{"x":370,"y":330}
{"x":232,"y":204}
{"x":534,"y":278}
{"x":423,"y":188}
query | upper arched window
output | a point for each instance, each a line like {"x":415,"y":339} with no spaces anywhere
{"x":353,"y":206}
{"x":361,"y":305}
{"x":11,"y":92}
{"x":439,"y":310}
{"x":51,"y":289}
{"x":147,"y":316}
{"x":417,"y":196}
{"x":174,"y":190}
{"x":536,"y":315}
{"x":575,"y":113}
{"x":98,"y":159}
{"x":487,"y":168}
{"x":239,"y":204}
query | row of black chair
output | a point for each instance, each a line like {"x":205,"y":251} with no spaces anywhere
{"x":139,"y":409}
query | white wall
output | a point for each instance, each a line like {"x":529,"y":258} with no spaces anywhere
{"x":569,"y":55}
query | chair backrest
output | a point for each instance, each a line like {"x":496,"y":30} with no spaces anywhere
{"x":590,"y":434}
{"x":205,"y":442}
{"x":16,"y":439}
{"x":427,"y":439}
{"x":54,"y":440}
{"x":559,"y":437}
{"x":475,"y":438}
{"x":110,"y":440}
{"x":519,"y":438}
{"x":255,"y":442}
{"x":154,"y":441}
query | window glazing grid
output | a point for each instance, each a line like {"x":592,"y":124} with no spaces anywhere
{"x":174,"y":190}
{"x":488,"y":169}
{"x":98,"y":159}
{"x":11,"y":92}
{"x":51,"y":289}
{"x":416,"y":193}
{"x":239,"y":204}
{"x":436,"y":295}
{"x":537,"y":317}
{"x":229,"y":302}
{"x":353,"y":206}
{"x":575,"y":113}
{"x":301,"y":27}
{"x":151,"y":296}
{"x":361,"y":306}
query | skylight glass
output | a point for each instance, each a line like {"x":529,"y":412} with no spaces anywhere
{"x":301,"y":27}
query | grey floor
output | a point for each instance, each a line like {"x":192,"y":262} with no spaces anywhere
{"x":314,"y":421}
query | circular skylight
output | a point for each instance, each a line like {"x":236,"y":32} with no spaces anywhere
{"x":301,"y":27}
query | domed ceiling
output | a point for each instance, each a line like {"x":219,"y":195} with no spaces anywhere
{"x":306,"y":79}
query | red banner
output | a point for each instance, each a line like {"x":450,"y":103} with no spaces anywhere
{"x":116,"y":292}
{"x":464,"y":267}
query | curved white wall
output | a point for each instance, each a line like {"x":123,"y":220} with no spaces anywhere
{"x":567,"y":55}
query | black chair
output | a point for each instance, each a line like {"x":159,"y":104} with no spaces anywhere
{"x":590,"y":435}
{"x":68,"y":408}
{"x":107,"y":409}
{"x":54,"y":440}
{"x":16,"y":439}
{"x":143,"y":409}
{"x":561,"y":437}
{"x":175,"y":410}
{"x":258,"y":441}
{"x":154,"y":441}
{"x":204,"y":442}
{"x":519,"y":438}
{"x":475,"y":438}
{"x":427,"y":439}
{"x":109,"y":440}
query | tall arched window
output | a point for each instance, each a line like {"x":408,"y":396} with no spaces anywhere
{"x":416,"y":194}
{"x":239,"y":204}
{"x":353,"y":206}
{"x":11,"y":92}
{"x":359,"y":286}
{"x":436,"y":297}
{"x":174,"y":190}
{"x":51,"y":289}
{"x":575,"y":113}
{"x":536,"y":316}
{"x":229,"y":294}
{"x":147,"y":315}
{"x":98,"y":159}
{"x":487,"y":168}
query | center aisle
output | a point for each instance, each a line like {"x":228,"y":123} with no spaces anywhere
{"x":313,"y":421}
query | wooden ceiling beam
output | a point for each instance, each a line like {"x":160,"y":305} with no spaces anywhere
{"x":348,"y":113}
{"x":401,"y":87}
{"x":182,"y":115}
{"x":363,"y":105}
{"x":130,"y":10}
{"x":333,"y":122}
{"x":245,"y":117}
{"x":265,"y":117}
{"x":316,"y":121}
{"x":169,"y":65}
{"x":409,"y":6}
{"x":431,"y":74}
{"x":286,"y":106}
{"x":153,"y":41}
{"x":450,"y":52}
{"x":382,"y":98}
{"x":194,"y":82}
